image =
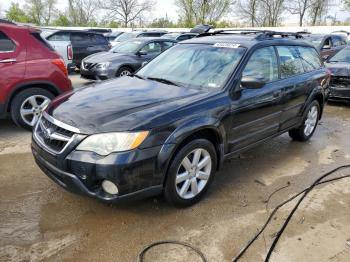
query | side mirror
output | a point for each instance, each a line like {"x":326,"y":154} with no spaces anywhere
{"x":141,"y":53}
{"x":250,"y":82}
{"x":144,"y":63}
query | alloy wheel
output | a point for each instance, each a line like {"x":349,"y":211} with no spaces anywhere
{"x":125,"y":73}
{"x":311,"y":121}
{"x":193,"y":173}
{"x":32,"y":107}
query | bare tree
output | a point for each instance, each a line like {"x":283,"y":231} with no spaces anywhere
{"x":202,"y":11}
{"x":250,"y":11}
{"x":272,"y":10}
{"x":300,"y":8}
{"x":318,"y":11}
{"x":82,"y":12}
{"x":40,"y":11}
{"x":126,"y":11}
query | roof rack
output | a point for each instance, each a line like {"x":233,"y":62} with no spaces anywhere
{"x":260,"y":34}
{"x":341,"y":31}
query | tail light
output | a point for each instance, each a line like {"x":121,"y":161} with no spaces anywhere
{"x":61,"y":65}
{"x":69,"y":52}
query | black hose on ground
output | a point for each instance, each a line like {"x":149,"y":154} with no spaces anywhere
{"x":280,"y":232}
{"x":305,"y":192}
{"x":173,"y":242}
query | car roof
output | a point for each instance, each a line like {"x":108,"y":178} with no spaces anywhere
{"x":149,"y":39}
{"x":10,"y":25}
{"x":247,"y":41}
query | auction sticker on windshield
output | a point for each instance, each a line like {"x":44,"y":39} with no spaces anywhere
{"x":227,"y":45}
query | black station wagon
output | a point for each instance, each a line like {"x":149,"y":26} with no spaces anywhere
{"x":169,"y":127}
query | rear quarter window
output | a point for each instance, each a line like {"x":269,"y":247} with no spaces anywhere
{"x":6,"y":44}
{"x":38,"y":37}
{"x":310,"y":58}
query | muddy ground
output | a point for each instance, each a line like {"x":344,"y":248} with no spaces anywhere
{"x":41,"y":221}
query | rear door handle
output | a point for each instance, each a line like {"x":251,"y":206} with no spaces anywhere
{"x":277,"y":93}
{"x":10,"y":60}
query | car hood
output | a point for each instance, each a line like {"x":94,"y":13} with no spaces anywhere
{"x":105,"y":57}
{"x":122,"y":104}
{"x":339,"y":69}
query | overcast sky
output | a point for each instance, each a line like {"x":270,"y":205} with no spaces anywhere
{"x":167,"y":7}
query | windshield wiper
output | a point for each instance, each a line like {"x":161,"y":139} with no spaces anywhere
{"x":139,"y":76}
{"x":164,"y":81}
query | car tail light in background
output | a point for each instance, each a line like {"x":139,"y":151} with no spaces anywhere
{"x":61,"y":65}
{"x":69,"y":52}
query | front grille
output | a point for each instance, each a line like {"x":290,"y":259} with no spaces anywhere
{"x":52,"y":136}
{"x":340,"y":82}
{"x":88,"y":66}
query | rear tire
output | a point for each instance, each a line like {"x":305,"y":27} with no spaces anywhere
{"x":310,"y":121}
{"x":190,"y":173}
{"x":27,"y":106}
{"x":123,"y":71}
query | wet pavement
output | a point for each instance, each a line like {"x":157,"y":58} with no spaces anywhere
{"x":41,"y":221}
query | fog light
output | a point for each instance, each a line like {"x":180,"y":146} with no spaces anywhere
{"x":109,"y":187}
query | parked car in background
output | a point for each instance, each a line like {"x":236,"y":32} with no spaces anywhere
{"x":169,"y":127}
{"x":339,"y":65}
{"x":137,"y":34}
{"x":124,"y":59}
{"x":99,"y":30}
{"x":112,"y":36}
{"x":60,"y":41}
{"x":179,"y":36}
{"x":81,"y":44}
{"x":328,"y":45}
{"x":31,"y":74}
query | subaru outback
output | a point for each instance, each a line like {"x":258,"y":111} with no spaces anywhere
{"x":169,"y":127}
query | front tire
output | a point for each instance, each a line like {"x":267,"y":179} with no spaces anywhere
{"x":190,"y":173}
{"x":27,"y":106}
{"x":310,"y":121}
{"x":124,"y":71}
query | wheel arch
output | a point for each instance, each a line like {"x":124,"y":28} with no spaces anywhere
{"x":319,"y":96}
{"x":207,"y":128}
{"x":46,"y":85}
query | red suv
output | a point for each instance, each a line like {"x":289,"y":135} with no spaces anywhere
{"x":31,"y":74}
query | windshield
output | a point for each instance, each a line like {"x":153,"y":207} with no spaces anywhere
{"x":127,"y":47}
{"x":125,"y":36}
{"x":194,"y":65}
{"x":342,"y":56}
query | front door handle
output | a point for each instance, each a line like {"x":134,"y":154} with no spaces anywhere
{"x":9,"y":60}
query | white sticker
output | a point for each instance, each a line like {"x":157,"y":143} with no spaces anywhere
{"x":227,"y":45}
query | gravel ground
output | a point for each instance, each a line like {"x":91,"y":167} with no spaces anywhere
{"x":41,"y":221}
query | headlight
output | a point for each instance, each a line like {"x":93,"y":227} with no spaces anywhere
{"x":106,"y":143}
{"x":103,"y":65}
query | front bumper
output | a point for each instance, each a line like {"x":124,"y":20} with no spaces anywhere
{"x":340,"y":93}
{"x":134,"y":172}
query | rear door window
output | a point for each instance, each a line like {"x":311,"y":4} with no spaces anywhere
{"x":80,"y":37}
{"x":338,"y":41}
{"x":98,"y":39}
{"x":152,"y":48}
{"x":61,"y":36}
{"x":167,"y":45}
{"x":310,"y":58}
{"x":262,"y":65}
{"x":290,"y":62}
{"x":6,"y":44}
